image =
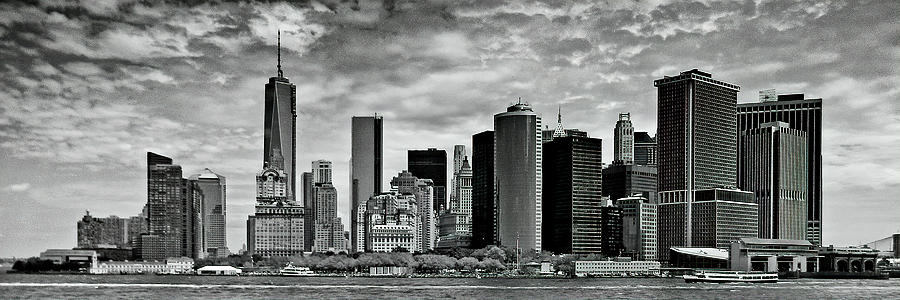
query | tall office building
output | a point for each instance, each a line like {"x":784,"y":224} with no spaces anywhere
{"x":623,"y":140}
{"x":459,"y":152}
{"x":213,"y":212}
{"x":611,"y":229}
{"x":322,"y":171}
{"x":277,"y":228}
{"x":365,"y":171}
{"x":109,"y":232}
{"x":463,"y":183}
{"x":517,"y":173}
{"x":620,"y":181}
{"x":638,"y":227}
{"x":774,"y":166}
{"x":572,"y":195}
{"x":173,"y":207}
{"x":280,"y":126}
{"x":804,"y":115}
{"x":484,"y":221}
{"x":309,"y":208}
{"x":391,"y":222}
{"x":455,"y":224}
{"x":718,"y":217}
{"x":697,"y":123}
{"x":329,"y":231}
{"x":431,"y":164}
{"x":549,"y":134}
{"x":645,"y":149}
{"x":423,"y":190}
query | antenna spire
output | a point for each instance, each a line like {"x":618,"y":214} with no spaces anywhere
{"x":280,"y":73}
{"x":559,"y":114}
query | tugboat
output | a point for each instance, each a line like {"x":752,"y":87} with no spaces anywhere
{"x":291,"y":270}
{"x":731,"y":276}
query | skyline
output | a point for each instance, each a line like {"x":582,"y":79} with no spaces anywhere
{"x":196,"y":92}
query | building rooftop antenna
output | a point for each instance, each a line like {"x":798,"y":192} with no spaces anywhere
{"x":280,"y":73}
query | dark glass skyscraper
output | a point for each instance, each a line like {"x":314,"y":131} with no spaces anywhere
{"x":173,"y":206}
{"x":212,"y":212}
{"x":484,"y":223}
{"x":431,"y":164}
{"x":517,"y":175}
{"x":280,"y":126}
{"x":645,"y":152}
{"x":309,"y":209}
{"x":804,"y":115}
{"x":620,"y":181}
{"x":365,"y":170}
{"x":572,"y":195}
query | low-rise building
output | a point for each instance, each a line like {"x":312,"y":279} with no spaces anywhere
{"x":773,"y":255}
{"x":219,"y":270}
{"x":698,"y":258}
{"x":174,"y":265}
{"x":616,"y":268}
{"x":847,"y":259}
{"x":59,"y":256}
{"x":388,"y":271}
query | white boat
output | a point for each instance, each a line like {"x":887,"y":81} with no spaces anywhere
{"x":731,"y":276}
{"x":291,"y":270}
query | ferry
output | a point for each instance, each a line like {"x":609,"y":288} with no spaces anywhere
{"x":291,"y":270}
{"x":731,"y":276}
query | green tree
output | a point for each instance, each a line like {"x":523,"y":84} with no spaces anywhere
{"x":467,"y":263}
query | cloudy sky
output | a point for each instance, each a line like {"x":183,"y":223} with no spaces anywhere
{"x":88,"y":88}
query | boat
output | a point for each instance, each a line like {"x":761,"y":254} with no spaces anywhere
{"x":731,"y":276}
{"x":291,"y":270}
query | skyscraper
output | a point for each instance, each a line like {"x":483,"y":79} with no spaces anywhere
{"x":406,"y":183}
{"x":697,"y":142}
{"x":572,"y":195}
{"x":804,"y":115}
{"x":718,"y":217}
{"x":645,"y":150}
{"x":431,"y":164}
{"x":455,"y":225}
{"x":94,"y":232}
{"x":549,"y":134}
{"x":365,"y":171}
{"x":280,"y":126}
{"x":517,"y":171}
{"x":329,"y":231}
{"x":173,"y":212}
{"x":623,"y":140}
{"x":638,"y":227}
{"x":277,"y":227}
{"x":213,"y":212}
{"x":611,"y":229}
{"x":773,"y":166}
{"x":620,"y":181}
{"x":459,"y":153}
{"x":309,"y":209}
{"x":484,"y":222}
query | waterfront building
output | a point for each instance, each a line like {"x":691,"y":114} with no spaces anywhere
{"x":572,"y":195}
{"x":773,"y":166}
{"x":173,"y":206}
{"x":212,"y":208}
{"x":698,"y":258}
{"x":172,"y":265}
{"x":365,"y":171}
{"x":423,"y":192}
{"x":847,"y":259}
{"x":615,"y":268}
{"x":773,"y":255}
{"x":720,"y":216}
{"x":484,"y":218}
{"x":697,"y":140}
{"x":391,"y":222}
{"x":639,"y":227}
{"x":645,"y":149}
{"x":280,"y":127}
{"x":517,"y":173}
{"x":623,"y":140}
{"x":276,"y":229}
{"x":431,"y":164}
{"x":60,"y":256}
{"x":804,"y":115}
{"x":620,"y":181}
{"x":109,"y":232}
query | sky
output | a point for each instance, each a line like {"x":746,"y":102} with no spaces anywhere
{"x":88,"y":87}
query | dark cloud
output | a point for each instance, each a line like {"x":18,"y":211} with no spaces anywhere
{"x":89,"y":86}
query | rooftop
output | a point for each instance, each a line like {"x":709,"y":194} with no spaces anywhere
{"x":713,"y":253}
{"x":785,"y":242}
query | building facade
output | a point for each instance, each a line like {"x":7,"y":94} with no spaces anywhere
{"x":773,"y":166}
{"x":623,"y":140}
{"x":484,"y":216}
{"x":720,"y":216}
{"x":391,"y":222}
{"x":94,"y":232}
{"x":645,"y":149}
{"x":322,"y":171}
{"x":365,"y":170}
{"x":620,"y":181}
{"x":329,"y":231}
{"x":572,"y":195}
{"x":639,"y":228}
{"x":309,"y":207}
{"x":173,"y":207}
{"x":431,"y":164}
{"x":280,"y":127}
{"x":423,"y":192}
{"x":804,"y":115}
{"x":213,"y":212}
{"x":517,"y":174}
{"x":277,"y":228}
